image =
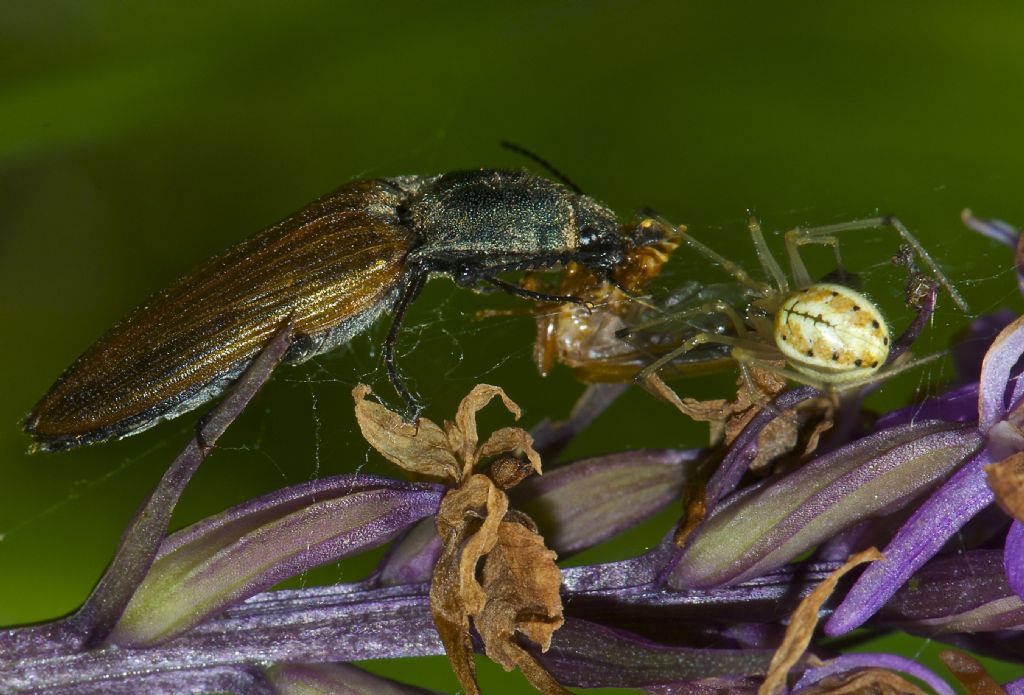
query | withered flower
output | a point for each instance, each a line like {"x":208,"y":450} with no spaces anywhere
{"x":493,"y":570}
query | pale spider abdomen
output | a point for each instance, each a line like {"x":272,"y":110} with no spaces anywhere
{"x":832,"y":333}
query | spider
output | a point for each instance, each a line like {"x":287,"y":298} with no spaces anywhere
{"x":821,"y":334}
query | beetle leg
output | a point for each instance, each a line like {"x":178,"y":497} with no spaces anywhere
{"x":537,"y":296}
{"x":410,"y":293}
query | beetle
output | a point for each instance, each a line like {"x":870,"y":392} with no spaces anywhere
{"x":330,"y":269}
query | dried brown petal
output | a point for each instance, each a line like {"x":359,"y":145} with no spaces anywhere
{"x":695,"y":509}
{"x":457,"y":523}
{"x":778,"y":437}
{"x":714,"y":411}
{"x":421,"y":449}
{"x":728,"y":418}
{"x":520,"y":590}
{"x":826,"y":409}
{"x":872,"y":681}
{"x":480,"y":544}
{"x":782,"y":436}
{"x":463,"y":436}
{"x":522,"y":584}
{"x":467,"y":523}
{"x":511,"y":440}
{"x":1006,"y":479}
{"x":802,"y":624}
{"x":521,"y":581}
{"x":449,"y":612}
{"x":970,"y":673}
{"x":746,"y":404}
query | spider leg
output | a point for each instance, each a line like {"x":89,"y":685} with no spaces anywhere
{"x":654,"y":367}
{"x":718,"y":306}
{"x":731,"y":267}
{"x":923,"y":254}
{"x":891,"y":370}
{"x":747,"y":353}
{"x":766,"y":257}
{"x":826,"y":235}
{"x":826,"y":387}
{"x":795,"y":238}
{"x":746,"y":345}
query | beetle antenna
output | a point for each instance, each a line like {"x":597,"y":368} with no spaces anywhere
{"x":544,"y":163}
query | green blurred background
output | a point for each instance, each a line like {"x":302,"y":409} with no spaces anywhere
{"x":137,"y":139}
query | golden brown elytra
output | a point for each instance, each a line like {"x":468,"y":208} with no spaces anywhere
{"x":330,"y":269}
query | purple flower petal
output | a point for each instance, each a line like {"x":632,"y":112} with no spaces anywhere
{"x":1004,"y":233}
{"x":872,"y":533}
{"x":588,"y":655}
{"x":765,"y":526}
{"x":218,"y":562}
{"x":334,"y":679}
{"x":238,"y":680}
{"x":968,"y":350}
{"x":934,"y":522}
{"x":889,"y":662}
{"x":1014,"y":687}
{"x":735,"y":464}
{"x":708,"y":686}
{"x":956,"y":501}
{"x":958,"y":405}
{"x":411,"y":558}
{"x":1013,"y":558}
{"x":996,"y":370}
{"x":963,"y":593}
{"x":581,"y":504}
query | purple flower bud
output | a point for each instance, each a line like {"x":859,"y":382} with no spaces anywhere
{"x":336,"y":679}
{"x":767,"y":525}
{"x":581,"y":504}
{"x":1013,"y":558}
{"x":222,"y":560}
{"x":962,"y":593}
